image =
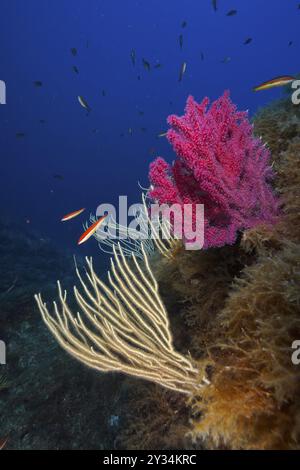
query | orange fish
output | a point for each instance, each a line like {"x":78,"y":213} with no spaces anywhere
{"x":91,"y":230}
{"x":278,"y":81}
{"x":3,"y":442}
{"x":71,"y":215}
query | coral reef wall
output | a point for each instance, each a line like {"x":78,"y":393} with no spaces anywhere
{"x":236,"y":309}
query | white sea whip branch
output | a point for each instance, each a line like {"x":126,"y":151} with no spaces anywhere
{"x":122,"y":327}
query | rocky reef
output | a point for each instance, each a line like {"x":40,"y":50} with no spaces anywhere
{"x":236,"y":309}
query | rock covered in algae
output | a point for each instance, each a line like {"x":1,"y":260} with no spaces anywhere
{"x":237,"y":310}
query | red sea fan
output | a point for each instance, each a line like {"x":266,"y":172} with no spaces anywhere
{"x":220,"y":165}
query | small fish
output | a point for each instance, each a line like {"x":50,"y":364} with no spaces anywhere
{"x":91,"y":230}
{"x":74,"y":51}
{"x":3,"y":442}
{"x":162,"y":134}
{"x":75,"y":69}
{"x":143,"y":129}
{"x":146,"y":65}
{"x":58,"y":177}
{"x":202,"y":56}
{"x":214,"y":5}
{"x":141,"y":113}
{"x":247,"y":41}
{"x":138,"y":77}
{"x":19,"y":135}
{"x":180,"y":41}
{"x":130,"y":131}
{"x":83,"y":103}
{"x":231,"y":13}
{"x":275,"y":82}
{"x":38,"y":83}
{"x":42,"y":121}
{"x":183,"y":24}
{"x":71,"y":215}
{"x":290,"y":43}
{"x":103,"y":93}
{"x":157,"y":66}
{"x":133,"y":56}
{"x":182,"y":71}
{"x":226,"y":60}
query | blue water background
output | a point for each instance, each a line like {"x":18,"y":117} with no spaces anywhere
{"x":97,"y":156}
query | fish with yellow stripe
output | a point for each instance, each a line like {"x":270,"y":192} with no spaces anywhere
{"x":71,"y":215}
{"x":91,"y":230}
{"x":275,"y":82}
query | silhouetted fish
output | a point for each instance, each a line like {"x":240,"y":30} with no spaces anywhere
{"x":214,"y":4}
{"x":202,"y":56}
{"x":157,"y":66}
{"x":247,"y":41}
{"x":226,"y":60}
{"x":146,"y":65}
{"x":132,"y":55}
{"x":182,"y":71}
{"x":231,"y":13}
{"x":19,"y":135}
{"x":38,"y":83}
{"x":183,"y":24}
{"x":83,"y":103}
{"x":180,"y":41}
{"x":162,"y":134}
{"x":58,"y":177}
{"x":74,"y":51}
{"x":290,"y":43}
{"x":103,"y":93}
{"x":75,"y":69}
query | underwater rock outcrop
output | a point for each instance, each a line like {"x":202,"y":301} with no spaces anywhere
{"x":246,"y":323}
{"x":240,"y":307}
